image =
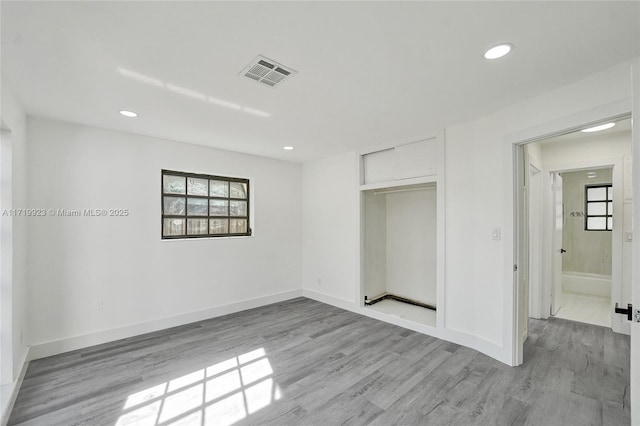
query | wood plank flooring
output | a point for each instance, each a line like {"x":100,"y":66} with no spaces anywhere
{"x":301,"y":362}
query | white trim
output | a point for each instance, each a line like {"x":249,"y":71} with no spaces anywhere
{"x":634,"y":398}
{"x":13,"y":389}
{"x":103,"y":336}
{"x":569,"y":124}
{"x":441,"y":249}
{"x":330,"y":300}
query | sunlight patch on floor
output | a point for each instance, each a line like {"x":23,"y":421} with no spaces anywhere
{"x":220,"y":394}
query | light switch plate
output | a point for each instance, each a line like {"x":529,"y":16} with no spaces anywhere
{"x":496,"y":234}
{"x":636,"y":315}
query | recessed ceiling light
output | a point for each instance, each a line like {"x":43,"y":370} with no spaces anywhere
{"x":128,"y":113}
{"x":287,"y":148}
{"x":598,"y":128}
{"x":498,"y":51}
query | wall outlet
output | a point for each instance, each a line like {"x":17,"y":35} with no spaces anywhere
{"x":99,"y":305}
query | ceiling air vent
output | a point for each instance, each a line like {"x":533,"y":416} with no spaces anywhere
{"x":266,"y":71}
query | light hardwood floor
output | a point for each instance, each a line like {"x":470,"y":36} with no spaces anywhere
{"x":302,"y":362}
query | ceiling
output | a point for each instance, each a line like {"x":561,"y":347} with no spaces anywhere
{"x":367,"y":72}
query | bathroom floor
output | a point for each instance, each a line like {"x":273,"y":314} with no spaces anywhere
{"x":588,"y":309}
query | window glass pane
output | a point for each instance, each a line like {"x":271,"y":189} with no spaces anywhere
{"x":218,"y":208}
{"x":173,"y":184}
{"x":238,"y":226}
{"x":196,"y":226}
{"x":237,"y":208}
{"x":218,"y":226}
{"x":609,"y":223}
{"x":196,"y":186}
{"x":610,"y":193}
{"x":197,"y":207}
{"x":204,"y":204}
{"x":173,"y":205}
{"x":218,"y":188}
{"x":172,"y":227}
{"x":238,"y":190}
{"x":596,"y":194}
{"x":596,"y":223}
{"x":610,"y":208}
{"x":596,"y":209}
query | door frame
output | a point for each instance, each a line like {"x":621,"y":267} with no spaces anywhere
{"x":514,"y":148}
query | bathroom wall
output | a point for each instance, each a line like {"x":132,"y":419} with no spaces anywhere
{"x":587,"y":251}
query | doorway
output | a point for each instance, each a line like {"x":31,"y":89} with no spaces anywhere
{"x":582,"y":245}
{"x":585,"y":284}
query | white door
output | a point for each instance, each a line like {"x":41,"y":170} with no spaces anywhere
{"x":535,"y":231}
{"x":521,"y":255}
{"x":523,"y":262}
{"x":558,"y":223}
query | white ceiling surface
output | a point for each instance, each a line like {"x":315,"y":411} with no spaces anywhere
{"x":368,"y":73}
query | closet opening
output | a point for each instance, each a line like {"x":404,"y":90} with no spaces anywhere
{"x":400,"y":251}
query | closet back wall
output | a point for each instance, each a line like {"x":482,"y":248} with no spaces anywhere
{"x":411,"y":244}
{"x":91,"y":274}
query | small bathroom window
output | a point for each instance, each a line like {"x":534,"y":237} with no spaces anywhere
{"x":598,"y":207}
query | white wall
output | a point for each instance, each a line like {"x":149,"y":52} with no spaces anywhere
{"x":13,"y":250}
{"x":374,"y":244}
{"x":587,"y":251}
{"x":594,"y":147}
{"x":479,"y":197}
{"x":411,"y":244}
{"x":77,"y":262}
{"x":330,"y":234}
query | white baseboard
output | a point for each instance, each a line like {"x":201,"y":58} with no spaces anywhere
{"x":103,"y":336}
{"x":488,"y":348}
{"x":329,"y":300}
{"x":10,"y":391}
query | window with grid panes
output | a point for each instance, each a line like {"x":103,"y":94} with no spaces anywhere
{"x":196,"y":206}
{"x":598,"y":207}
